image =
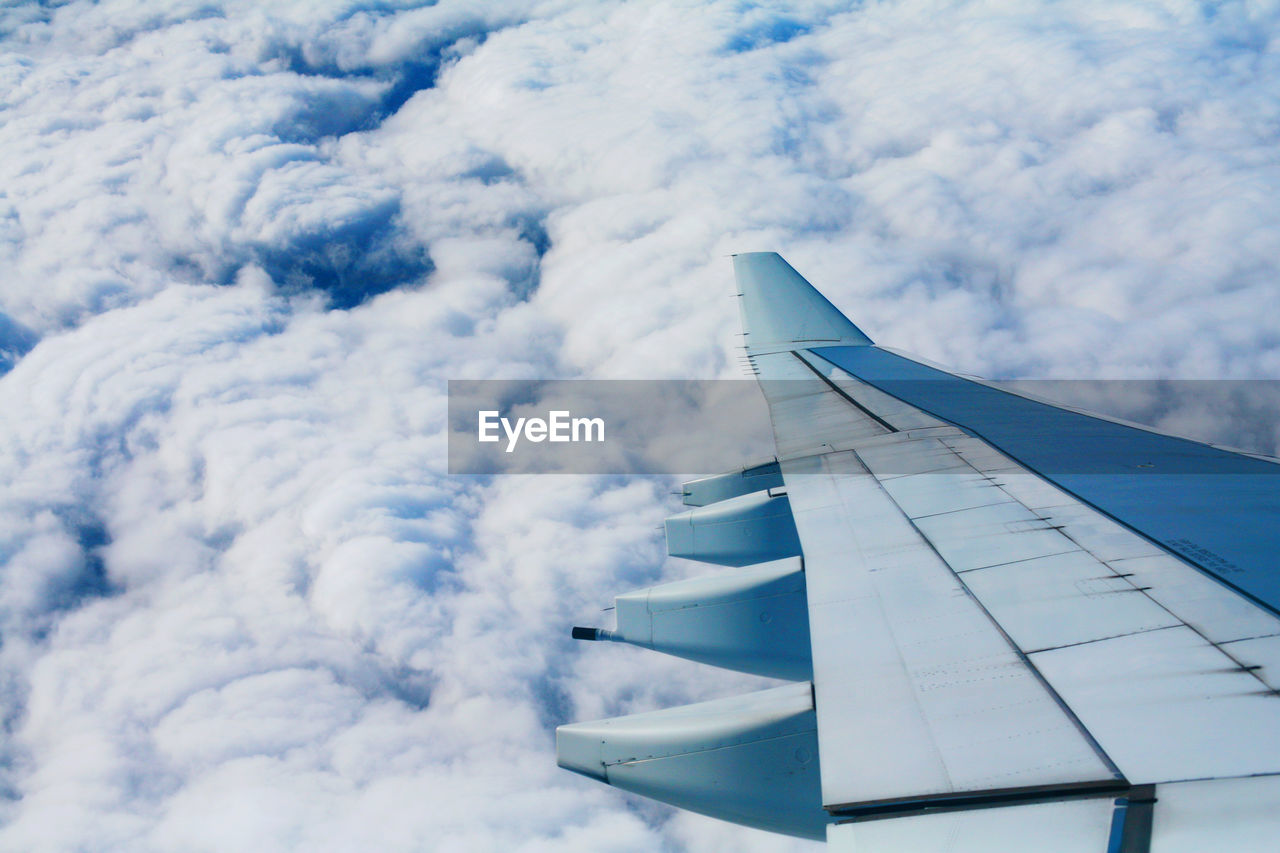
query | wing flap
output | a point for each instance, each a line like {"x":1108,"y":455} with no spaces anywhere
{"x":1075,"y":826}
{"x":1168,"y":706}
{"x":892,"y":627}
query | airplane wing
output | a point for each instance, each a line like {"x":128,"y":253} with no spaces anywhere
{"x":1012,"y":625}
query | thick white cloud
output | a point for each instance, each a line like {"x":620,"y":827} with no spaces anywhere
{"x":241,"y":602}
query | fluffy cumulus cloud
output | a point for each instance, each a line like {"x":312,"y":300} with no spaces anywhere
{"x":242,"y":603}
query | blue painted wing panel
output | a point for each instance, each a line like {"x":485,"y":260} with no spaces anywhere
{"x":1214,"y":508}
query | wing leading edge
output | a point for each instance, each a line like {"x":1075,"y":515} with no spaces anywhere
{"x":1022,"y":619}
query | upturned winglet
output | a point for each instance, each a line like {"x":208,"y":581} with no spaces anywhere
{"x":781,"y":309}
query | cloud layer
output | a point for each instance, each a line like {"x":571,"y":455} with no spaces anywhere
{"x":241,"y":602}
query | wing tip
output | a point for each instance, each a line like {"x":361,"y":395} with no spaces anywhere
{"x":779,"y":306}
